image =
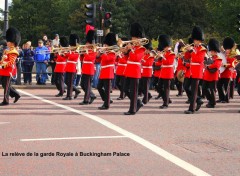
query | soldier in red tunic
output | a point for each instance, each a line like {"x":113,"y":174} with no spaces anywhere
{"x":167,"y":71}
{"x":223,"y":85}
{"x":108,"y":59}
{"x":88,"y":71}
{"x":60,"y":67}
{"x":211,"y":73}
{"x":133,"y":70}
{"x":196,"y":69}
{"x":7,"y":65}
{"x":156,"y":73}
{"x":147,"y":70}
{"x":70,"y":69}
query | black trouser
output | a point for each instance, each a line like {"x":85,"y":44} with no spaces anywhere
{"x":144,"y":85}
{"x":200,"y":94}
{"x":232,"y":87}
{"x":179,"y":86}
{"x":120,"y":85}
{"x":104,"y":87}
{"x":155,"y":83}
{"x":8,"y":89}
{"x":27,"y":73}
{"x":209,"y":90}
{"x":53,"y":65}
{"x":165,"y":90}
{"x":131,"y":91}
{"x":86,"y":84}
{"x":223,"y":89}
{"x":69,"y":83}
{"x":194,"y":94}
{"x":59,"y":81}
{"x":187,"y":87}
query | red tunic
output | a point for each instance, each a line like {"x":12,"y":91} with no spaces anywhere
{"x":187,"y":57}
{"x":107,"y":66}
{"x":229,"y":69}
{"x":197,"y":60}
{"x":157,"y":72}
{"x":167,"y":71}
{"x":121,"y":65}
{"x":180,"y":65}
{"x":133,"y":69}
{"x":147,"y":66}
{"x":9,"y":61}
{"x":60,"y":64}
{"x":208,"y":76}
{"x":71,"y":62}
{"x":88,"y":63}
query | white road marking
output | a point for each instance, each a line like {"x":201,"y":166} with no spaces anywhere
{"x":156,"y":149}
{"x":2,"y":123}
{"x":72,"y":138}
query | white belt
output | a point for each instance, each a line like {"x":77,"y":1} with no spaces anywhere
{"x":87,"y":62}
{"x":146,"y":66}
{"x":71,"y":62}
{"x":106,"y":66}
{"x":61,"y":62}
{"x":136,"y":63}
{"x":194,"y":63}
{"x":122,"y":65}
{"x":167,"y":66}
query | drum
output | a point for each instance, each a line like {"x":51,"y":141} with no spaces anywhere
{"x":180,"y":76}
{"x":224,"y":61}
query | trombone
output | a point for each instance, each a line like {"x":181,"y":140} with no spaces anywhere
{"x":135,"y":42}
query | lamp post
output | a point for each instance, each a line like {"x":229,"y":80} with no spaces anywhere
{"x":5,"y":19}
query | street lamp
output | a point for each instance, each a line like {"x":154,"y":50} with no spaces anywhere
{"x":5,"y":19}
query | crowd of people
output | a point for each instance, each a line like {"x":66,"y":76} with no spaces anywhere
{"x":133,"y":67}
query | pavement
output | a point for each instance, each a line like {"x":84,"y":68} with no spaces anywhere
{"x":44,"y":135}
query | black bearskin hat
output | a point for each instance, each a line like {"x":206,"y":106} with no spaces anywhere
{"x":214,"y":45}
{"x":228,"y":43}
{"x":110,"y":39}
{"x":137,"y":30}
{"x":64,"y":41}
{"x":164,"y":41}
{"x":197,"y":34}
{"x":73,"y":39}
{"x":190,"y":41}
{"x":13,"y":35}
{"x":90,"y":36}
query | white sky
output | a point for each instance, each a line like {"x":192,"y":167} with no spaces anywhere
{"x":2,"y":3}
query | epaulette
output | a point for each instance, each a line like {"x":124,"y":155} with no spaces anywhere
{"x":12,"y":51}
{"x":203,"y":48}
{"x":171,"y":52}
{"x":219,"y":58}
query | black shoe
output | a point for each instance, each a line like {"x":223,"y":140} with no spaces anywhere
{"x":92,"y":99}
{"x":119,"y":98}
{"x":59,"y":95}
{"x":84,"y":103}
{"x":67,"y":98}
{"x":210,"y":106}
{"x":103,"y":107}
{"x":189,"y":112}
{"x":4,"y":104}
{"x":170,"y":101}
{"x":159,"y":96}
{"x":163,"y":107}
{"x":77,"y":93}
{"x":111,"y":101}
{"x":149,"y":98}
{"x":179,"y":95}
{"x":199,"y":104}
{"x":187,"y":102}
{"x":219,"y":101}
{"x":139,"y":105}
{"x":129,"y":113}
{"x":17,"y":98}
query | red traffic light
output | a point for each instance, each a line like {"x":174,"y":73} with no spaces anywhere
{"x":108,"y":15}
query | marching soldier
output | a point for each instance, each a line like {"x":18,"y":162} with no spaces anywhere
{"x":60,"y":67}
{"x":223,"y":85}
{"x":156,"y":73}
{"x":133,"y":70}
{"x":70,"y":69}
{"x":211,"y":73}
{"x":7,"y":65}
{"x":197,"y":58}
{"x":167,"y":71}
{"x":88,"y":71}
{"x":107,"y":71}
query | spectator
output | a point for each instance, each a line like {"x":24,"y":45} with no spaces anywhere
{"x":45,"y":39}
{"x":27,"y":63}
{"x":55,"y":42}
{"x":41,"y":57}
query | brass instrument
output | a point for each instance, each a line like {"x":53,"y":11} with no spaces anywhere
{"x":135,"y":42}
{"x":184,"y":49}
{"x":108,"y":49}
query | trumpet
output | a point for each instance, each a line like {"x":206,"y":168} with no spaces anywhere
{"x":135,"y":42}
{"x":184,"y":49}
{"x":108,"y":49}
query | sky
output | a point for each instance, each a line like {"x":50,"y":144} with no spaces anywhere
{"x":2,"y":3}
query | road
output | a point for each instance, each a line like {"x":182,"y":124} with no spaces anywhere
{"x":45,"y":135}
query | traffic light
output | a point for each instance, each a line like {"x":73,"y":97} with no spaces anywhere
{"x":238,"y":22}
{"x":91,"y":14}
{"x":108,"y":19}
